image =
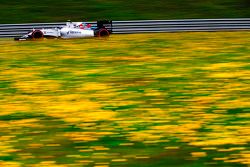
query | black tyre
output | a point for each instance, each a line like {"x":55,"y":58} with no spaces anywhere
{"x":37,"y":34}
{"x":103,"y":33}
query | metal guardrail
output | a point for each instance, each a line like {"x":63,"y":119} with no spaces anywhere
{"x":141,"y":26}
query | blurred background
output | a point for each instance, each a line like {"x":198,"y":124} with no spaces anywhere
{"x":16,"y":11}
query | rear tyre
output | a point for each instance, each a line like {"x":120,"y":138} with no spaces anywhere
{"x":103,"y":32}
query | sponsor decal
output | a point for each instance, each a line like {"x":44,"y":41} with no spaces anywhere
{"x":74,"y":32}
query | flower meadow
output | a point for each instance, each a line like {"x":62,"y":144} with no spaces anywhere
{"x":163,"y":99}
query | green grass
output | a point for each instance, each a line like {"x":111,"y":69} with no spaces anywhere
{"x":61,"y":10}
{"x":163,"y":99}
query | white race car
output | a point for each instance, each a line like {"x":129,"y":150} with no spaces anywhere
{"x":71,"y":30}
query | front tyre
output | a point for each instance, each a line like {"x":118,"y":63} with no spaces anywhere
{"x":37,"y":34}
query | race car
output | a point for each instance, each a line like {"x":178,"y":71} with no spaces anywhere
{"x":71,"y":30}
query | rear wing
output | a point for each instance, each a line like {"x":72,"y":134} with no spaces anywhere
{"x":105,"y":24}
